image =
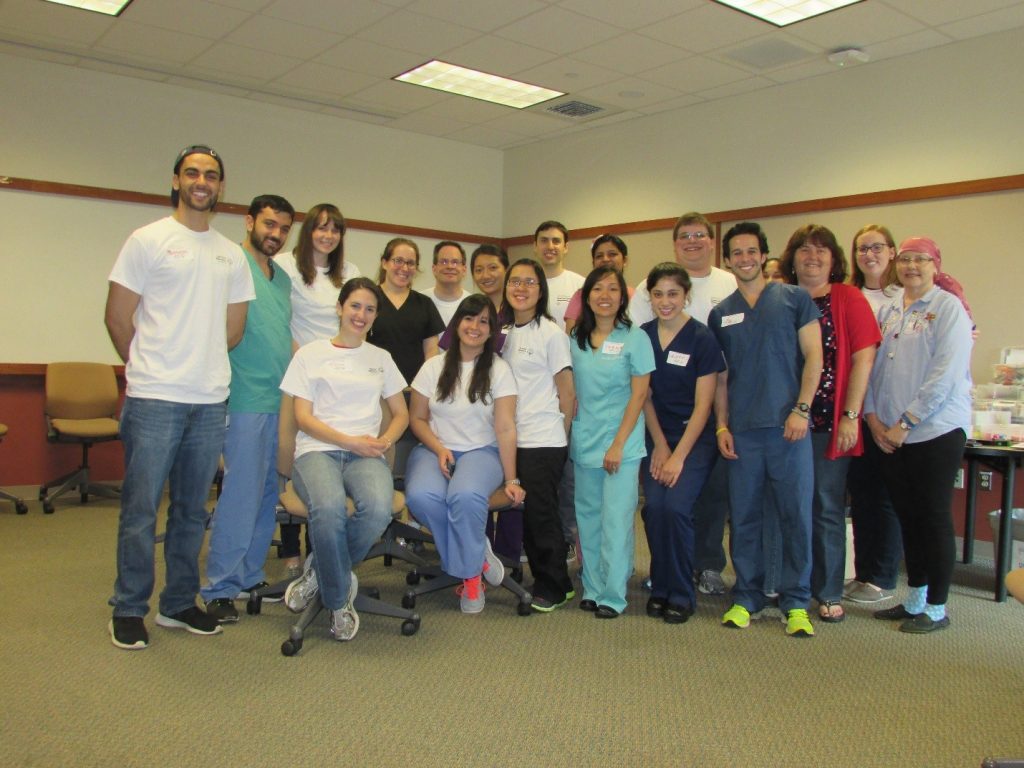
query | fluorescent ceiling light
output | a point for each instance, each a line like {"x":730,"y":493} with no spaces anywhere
{"x":109,"y":7}
{"x":784,"y":12}
{"x":477,"y":85}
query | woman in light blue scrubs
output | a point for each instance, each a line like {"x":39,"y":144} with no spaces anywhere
{"x":612,"y":362}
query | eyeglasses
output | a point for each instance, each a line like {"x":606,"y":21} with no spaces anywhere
{"x":913,"y":258}
{"x":450,"y":262}
{"x":698,"y":236}
{"x":875,"y":248}
{"x":408,"y":263}
{"x":529,"y":282}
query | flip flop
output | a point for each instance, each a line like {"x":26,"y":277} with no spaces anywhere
{"x":827,"y":615}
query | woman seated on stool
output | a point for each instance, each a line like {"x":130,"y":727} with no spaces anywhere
{"x":338,"y":385}
{"x":463,"y":412}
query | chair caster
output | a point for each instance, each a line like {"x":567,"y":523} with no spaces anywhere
{"x":524,"y":609}
{"x":291,"y":647}
{"x":42,"y":492}
{"x":254,"y":606}
{"x":84,"y":498}
{"x":410,"y":626}
{"x":21,"y":507}
{"x":408,"y":601}
{"x":371,"y":592}
{"x":517,"y":575}
{"x":47,"y":508}
{"x":412,"y":578}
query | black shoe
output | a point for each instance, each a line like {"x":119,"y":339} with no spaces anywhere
{"x":677,"y":614}
{"x":191,"y":619}
{"x":223,"y":610}
{"x":656,"y":607}
{"x":266,"y":597}
{"x":605,"y":612}
{"x":129,"y":633}
{"x":896,"y":613}
{"x":922,"y":624}
{"x":588,"y":605}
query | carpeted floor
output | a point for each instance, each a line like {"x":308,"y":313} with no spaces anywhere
{"x":494,"y":689}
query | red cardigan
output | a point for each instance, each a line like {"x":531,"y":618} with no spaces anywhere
{"x":856,"y":329}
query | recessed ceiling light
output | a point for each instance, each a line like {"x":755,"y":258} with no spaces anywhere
{"x":451,"y":78}
{"x":781,"y":13}
{"x":108,"y":7}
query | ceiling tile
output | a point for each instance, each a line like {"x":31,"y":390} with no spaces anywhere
{"x":629,"y":93}
{"x":901,"y":46}
{"x":734,"y":89}
{"x":122,"y":69}
{"x":558,"y":30}
{"x":418,"y":33}
{"x":484,"y":15}
{"x":856,"y":25}
{"x":498,"y":56}
{"x":400,"y":98}
{"x":329,"y":15}
{"x":370,"y":58}
{"x":159,"y":45}
{"x":769,"y":52}
{"x":695,"y":74}
{"x":486,"y":136}
{"x":328,"y":82}
{"x":41,"y":54}
{"x":267,"y":33}
{"x":528,"y":123}
{"x":630,"y":15}
{"x":206,"y":85}
{"x":252,"y":65}
{"x":431,"y":125}
{"x":709,"y":27}
{"x":631,"y":53}
{"x":350,"y":114}
{"x":677,"y":103}
{"x":817,"y":66}
{"x":997,"y":21}
{"x":195,"y":17}
{"x":469,"y":111}
{"x":53,"y":21}
{"x":567,"y":75}
{"x":938,"y":12}
{"x":255,"y":6}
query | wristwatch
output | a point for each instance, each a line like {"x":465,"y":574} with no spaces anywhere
{"x":802,"y":407}
{"x":852,"y":415}
{"x":514,"y":481}
{"x":905,"y":425}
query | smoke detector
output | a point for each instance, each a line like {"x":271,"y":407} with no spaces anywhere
{"x":844,"y":57}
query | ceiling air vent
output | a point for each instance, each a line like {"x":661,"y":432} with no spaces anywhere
{"x":575,"y":109}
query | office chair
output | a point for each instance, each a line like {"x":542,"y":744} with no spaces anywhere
{"x":1015,"y":583}
{"x":437,"y":579}
{"x":19,"y":505}
{"x":81,"y":407}
{"x":293,"y":510}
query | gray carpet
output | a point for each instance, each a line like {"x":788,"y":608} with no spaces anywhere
{"x":493,"y":689}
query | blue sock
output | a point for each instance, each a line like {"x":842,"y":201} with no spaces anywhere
{"x":915,"y":600}
{"x":935,"y":612}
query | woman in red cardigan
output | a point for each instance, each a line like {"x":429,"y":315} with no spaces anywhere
{"x":814,"y":260}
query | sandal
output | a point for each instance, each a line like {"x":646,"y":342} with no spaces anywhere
{"x":827,"y":611}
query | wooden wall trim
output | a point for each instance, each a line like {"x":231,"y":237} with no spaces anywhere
{"x":148,"y":198}
{"x":38,"y":369}
{"x":862,"y":200}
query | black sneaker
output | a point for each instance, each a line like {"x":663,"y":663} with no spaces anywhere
{"x":192,"y":619}
{"x":267,"y":597}
{"x":222,"y":609}
{"x":129,"y":633}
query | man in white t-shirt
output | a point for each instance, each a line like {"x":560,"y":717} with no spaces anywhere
{"x":177,"y":301}
{"x":449,"y":271}
{"x":694,"y":242}
{"x":551,"y":244}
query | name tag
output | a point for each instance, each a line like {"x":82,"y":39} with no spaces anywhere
{"x":678,"y":358}
{"x":611,"y":348}
{"x":728,"y":320}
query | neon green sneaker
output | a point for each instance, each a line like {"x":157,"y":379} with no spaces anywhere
{"x":737,"y":617}
{"x":797,"y":623}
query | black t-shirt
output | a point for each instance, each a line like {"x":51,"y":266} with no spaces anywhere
{"x":402,"y":331}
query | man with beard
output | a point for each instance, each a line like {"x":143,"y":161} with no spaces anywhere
{"x":243,"y":525}
{"x":177,"y":301}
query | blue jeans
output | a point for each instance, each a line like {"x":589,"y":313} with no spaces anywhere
{"x":668,"y":522}
{"x":324,"y":481}
{"x":454,"y":510}
{"x":767,"y":462}
{"x":828,"y":521}
{"x":243,"y":525}
{"x":164,"y":440}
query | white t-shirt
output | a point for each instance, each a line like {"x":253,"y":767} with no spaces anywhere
{"x":186,"y":280}
{"x":314,"y":307}
{"x":345,"y":387}
{"x":560,"y":291}
{"x":705,"y":294}
{"x":445,"y":307}
{"x":880,"y":297}
{"x":459,"y":424}
{"x":536,"y":353}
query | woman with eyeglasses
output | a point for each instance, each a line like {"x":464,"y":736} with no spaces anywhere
{"x":612,"y":362}
{"x":464,"y":414}
{"x":814,"y":260}
{"x":538,"y":352}
{"x":918,"y":409}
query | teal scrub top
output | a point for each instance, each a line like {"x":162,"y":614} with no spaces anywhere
{"x":603,"y":380}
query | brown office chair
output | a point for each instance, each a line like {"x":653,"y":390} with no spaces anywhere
{"x":19,"y":505}
{"x":294,"y":510}
{"x":81,"y":408}
{"x":1015,"y":583}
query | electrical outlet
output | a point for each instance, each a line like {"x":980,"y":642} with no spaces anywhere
{"x":985,"y":481}
{"x":958,"y":481}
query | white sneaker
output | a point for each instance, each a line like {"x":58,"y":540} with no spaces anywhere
{"x":345,"y":620}
{"x":494,"y":570}
{"x":468,"y":603}
{"x":710,"y":583}
{"x":300,"y":593}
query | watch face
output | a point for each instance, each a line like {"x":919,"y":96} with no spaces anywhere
{"x":803,"y":407}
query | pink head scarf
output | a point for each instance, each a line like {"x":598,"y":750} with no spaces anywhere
{"x":946,"y":282}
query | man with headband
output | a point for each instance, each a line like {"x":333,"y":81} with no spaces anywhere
{"x":177,"y":301}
